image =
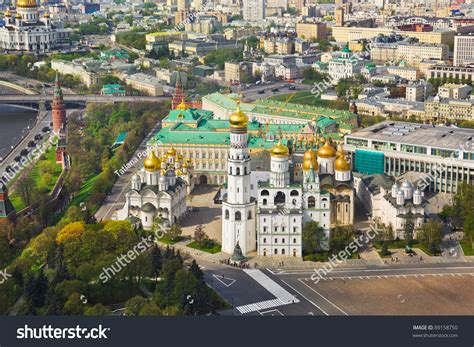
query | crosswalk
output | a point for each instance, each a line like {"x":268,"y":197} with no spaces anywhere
{"x":283,"y":297}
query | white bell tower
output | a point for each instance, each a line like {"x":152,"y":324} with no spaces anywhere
{"x":238,"y":209}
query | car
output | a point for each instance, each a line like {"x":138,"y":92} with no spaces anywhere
{"x":258,"y":82}
{"x":195,"y":209}
{"x":31,"y":144}
{"x":24,"y":152}
{"x":45,"y":129}
{"x":291,"y":87}
{"x":17,"y":158}
{"x":38,"y":137}
{"x":261,"y":91}
{"x":275,"y":90}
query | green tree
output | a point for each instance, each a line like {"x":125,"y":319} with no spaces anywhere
{"x":75,"y":305}
{"x":409,"y":227}
{"x":97,"y":310}
{"x":156,"y":260}
{"x":313,"y":237}
{"x":174,"y":232}
{"x":196,"y":271}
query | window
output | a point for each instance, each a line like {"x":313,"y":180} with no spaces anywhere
{"x":295,"y":229}
{"x":276,"y":240}
{"x":245,"y":170}
{"x":279,"y":198}
{"x":226,"y":214}
{"x":282,"y":240}
{"x":264,"y":202}
{"x":264,"y":229}
{"x":264,"y":240}
{"x":264,"y":193}
{"x":282,"y":229}
{"x":283,"y":251}
{"x":275,"y":229}
{"x":294,"y":193}
{"x":249,"y":215}
{"x":238,"y":171}
{"x":238,"y":215}
{"x":294,"y":240}
{"x":275,"y":251}
{"x":311,"y":202}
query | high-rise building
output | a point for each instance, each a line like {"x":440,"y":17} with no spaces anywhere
{"x":58,"y":108}
{"x":463,"y":50}
{"x":238,"y":208}
{"x":311,"y":31}
{"x":339,"y":14}
{"x":253,"y":10}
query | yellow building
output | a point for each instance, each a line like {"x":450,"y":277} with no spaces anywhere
{"x":310,"y":31}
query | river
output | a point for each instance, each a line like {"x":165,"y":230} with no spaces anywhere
{"x":13,"y":122}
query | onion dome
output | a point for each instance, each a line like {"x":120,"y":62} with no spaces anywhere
{"x":310,"y":160}
{"x":280,"y":150}
{"x":8,"y":13}
{"x":179,"y":172}
{"x":171,"y":152}
{"x":180,"y":157}
{"x":189,"y":161}
{"x":327,"y":150}
{"x":152,"y":163}
{"x":340,"y":152}
{"x":182,"y":106}
{"x":185,"y":165}
{"x":407,"y":184}
{"x":238,"y":119}
{"x":162,"y":174}
{"x":26,"y":4}
{"x":341,"y":163}
{"x":18,"y":15}
{"x":46,"y":15}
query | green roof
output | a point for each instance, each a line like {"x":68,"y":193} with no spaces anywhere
{"x":191,"y":115}
{"x":112,"y":89}
{"x":120,"y":138}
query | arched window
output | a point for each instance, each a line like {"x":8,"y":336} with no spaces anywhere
{"x":226,"y":214}
{"x":294,"y":193}
{"x":264,"y":193}
{"x":283,"y":251}
{"x":279,"y":198}
{"x":275,"y":251}
{"x":249,"y":215}
{"x":238,"y":215}
{"x":245,"y":170}
{"x":230,"y":170}
{"x":264,"y":201}
{"x":311,"y":202}
{"x":238,"y":171}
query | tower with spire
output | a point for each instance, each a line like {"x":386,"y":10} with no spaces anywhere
{"x":178,"y":96}
{"x":238,"y":208}
{"x":58,"y":107}
{"x":7,"y":211}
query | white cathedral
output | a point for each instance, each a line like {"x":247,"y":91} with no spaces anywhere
{"x":159,"y":190}
{"x":25,"y":30}
{"x":272,"y":223}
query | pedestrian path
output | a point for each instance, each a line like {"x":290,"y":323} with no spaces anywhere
{"x":283,"y":297}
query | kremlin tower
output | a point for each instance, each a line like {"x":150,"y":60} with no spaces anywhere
{"x":58,"y":108}
{"x":7,"y":211}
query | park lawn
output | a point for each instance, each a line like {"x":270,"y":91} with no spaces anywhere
{"x":86,"y":190}
{"x":214,"y":249}
{"x":305,"y":97}
{"x":166,"y":239}
{"x":35,"y":174}
{"x":467,"y":247}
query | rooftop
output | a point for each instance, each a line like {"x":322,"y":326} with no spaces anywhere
{"x":418,"y":134}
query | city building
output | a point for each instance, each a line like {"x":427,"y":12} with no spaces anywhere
{"x":147,"y":84}
{"x":310,"y":31}
{"x":405,"y":72}
{"x":272,"y":224}
{"x":441,"y":110}
{"x":418,"y":91}
{"x":158,"y":190}
{"x":457,"y":73}
{"x":234,"y":71}
{"x":463,"y":50}
{"x":27,"y":31}
{"x":390,"y":202}
{"x":345,"y":66}
{"x":442,"y":156}
{"x":253,"y":10}
{"x":454,"y":91}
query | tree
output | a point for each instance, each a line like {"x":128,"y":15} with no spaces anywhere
{"x":134,"y":305}
{"x":313,"y":237}
{"x":196,"y":271}
{"x":409,"y":227}
{"x":200,"y":235}
{"x":340,"y":238}
{"x":149,"y":309}
{"x":174,"y":232}
{"x":431,"y":233}
{"x":26,"y":189}
{"x":385,"y":250}
{"x":97,"y":310}
{"x":70,"y":231}
{"x":75,"y":305}
{"x":156,"y":260}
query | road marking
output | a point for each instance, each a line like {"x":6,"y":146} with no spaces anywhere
{"x":319,"y":308}
{"x":294,"y":272}
{"x":386,"y":276}
{"x":220,"y":278}
{"x":324,"y":298}
{"x":275,"y":310}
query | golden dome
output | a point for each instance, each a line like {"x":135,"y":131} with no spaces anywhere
{"x":341,"y":164}
{"x":185,"y":166}
{"x":280,"y":150}
{"x":182,"y":105}
{"x":327,"y":150}
{"x":18,"y":15}
{"x":310,"y":159}
{"x":46,"y":15}
{"x":171,"y":152}
{"x":26,"y":3}
{"x":152,"y":163}
{"x":8,"y":13}
{"x":238,"y":119}
{"x":162,"y":172}
{"x":189,"y":160}
{"x":179,"y":172}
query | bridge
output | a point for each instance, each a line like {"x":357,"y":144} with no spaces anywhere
{"x":78,"y":98}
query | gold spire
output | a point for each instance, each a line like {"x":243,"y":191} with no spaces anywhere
{"x":152,"y":163}
{"x":279,"y":150}
{"x":171,"y":152}
{"x":310,"y":159}
{"x":238,"y":119}
{"x":182,"y":105}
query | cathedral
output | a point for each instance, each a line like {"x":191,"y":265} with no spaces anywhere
{"x":25,"y":30}
{"x":271,"y":224}
{"x":158,"y":190}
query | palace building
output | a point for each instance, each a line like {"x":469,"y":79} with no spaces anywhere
{"x":25,"y":30}
{"x":271,"y":223}
{"x":159,"y":190}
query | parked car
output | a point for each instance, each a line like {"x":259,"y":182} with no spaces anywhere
{"x":261,"y":91}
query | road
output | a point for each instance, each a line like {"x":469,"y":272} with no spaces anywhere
{"x":21,"y":98}
{"x":116,"y":198}
{"x":403,"y":289}
{"x":44,"y":119}
{"x":251,"y":93}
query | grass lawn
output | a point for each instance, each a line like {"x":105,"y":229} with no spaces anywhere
{"x":467,"y":247}
{"x":307,"y":98}
{"x":37,"y":177}
{"x":168,"y":241}
{"x":85,"y":192}
{"x":400,"y":244}
{"x":214,"y":249}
